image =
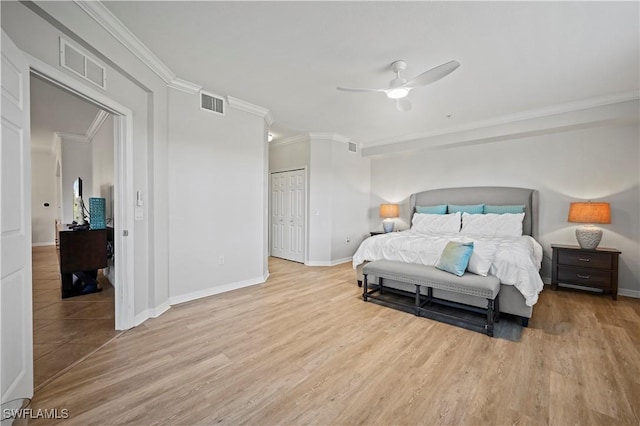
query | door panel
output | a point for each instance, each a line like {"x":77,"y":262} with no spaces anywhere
{"x":277,"y":216}
{"x":288,"y":201}
{"x":16,"y":350}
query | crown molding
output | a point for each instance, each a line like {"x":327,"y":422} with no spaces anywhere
{"x":248,"y":107}
{"x":303,"y":137}
{"x":331,"y":136}
{"x":609,"y":114}
{"x":93,"y":129}
{"x":269,"y":119}
{"x":97,"y":123}
{"x":103,"y":16}
{"x":514,"y":118}
{"x":185,"y":86}
{"x":73,"y":137}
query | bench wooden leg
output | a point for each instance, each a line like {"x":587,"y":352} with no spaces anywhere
{"x":489,"y":326}
{"x":365,"y":288}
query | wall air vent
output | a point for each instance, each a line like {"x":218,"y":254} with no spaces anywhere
{"x":353,"y":147}
{"x":80,"y":64}
{"x":212,"y":103}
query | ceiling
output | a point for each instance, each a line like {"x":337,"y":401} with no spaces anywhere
{"x":288,"y":57}
{"x":55,"y":111}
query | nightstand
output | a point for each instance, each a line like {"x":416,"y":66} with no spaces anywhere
{"x":597,"y":268}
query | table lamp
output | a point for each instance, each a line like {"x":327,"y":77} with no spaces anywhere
{"x":589,"y":236}
{"x":388,"y":212}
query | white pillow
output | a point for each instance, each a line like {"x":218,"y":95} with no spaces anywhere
{"x":492,"y":224}
{"x":482,"y":257}
{"x":436,"y":223}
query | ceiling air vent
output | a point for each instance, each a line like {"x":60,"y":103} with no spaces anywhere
{"x":79,"y":63}
{"x":353,"y":147}
{"x":212,"y":103}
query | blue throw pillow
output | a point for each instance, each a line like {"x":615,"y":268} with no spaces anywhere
{"x":504,"y":209}
{"x":439,"y":209}
{"x":471,"y":209}
{"x":455,"y":257}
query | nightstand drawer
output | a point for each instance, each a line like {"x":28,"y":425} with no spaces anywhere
{"x":587,"y":277}
{"x":585,"y":260}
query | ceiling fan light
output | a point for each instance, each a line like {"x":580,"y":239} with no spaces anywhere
{"x":397,"y":93}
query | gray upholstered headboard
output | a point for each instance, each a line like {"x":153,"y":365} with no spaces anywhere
{"x":494,"y":195}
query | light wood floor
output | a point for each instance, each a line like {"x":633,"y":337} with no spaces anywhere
{"x":65,"y":330}
{"x":304,"y":348}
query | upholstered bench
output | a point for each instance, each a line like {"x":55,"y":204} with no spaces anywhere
{"x":429,"y":278}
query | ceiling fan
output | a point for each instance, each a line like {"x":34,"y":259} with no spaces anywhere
{"x":399,"y":87}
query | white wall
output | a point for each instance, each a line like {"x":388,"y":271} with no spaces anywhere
{"x":289,"y":156}
{"x":320,"y":203}
{"x":351,"y":193}
{"x":76,"y":162}
{"x":102,"y":153}
{"x":102,"y":150}
{"x":338,"y":194}
{"x":592,"y":164}
{"x":43,"y":190}
{"x":217,"y":179}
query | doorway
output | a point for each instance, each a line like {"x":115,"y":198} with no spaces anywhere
{"x":123,"y":213}
{"x":288,"y":214}
{"x":70,"y":138}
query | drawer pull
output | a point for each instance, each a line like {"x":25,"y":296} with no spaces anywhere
{"x":584,"y":277}
{"x":582,"y":259}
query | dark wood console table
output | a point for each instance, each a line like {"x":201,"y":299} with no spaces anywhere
{"x":81,"y":251}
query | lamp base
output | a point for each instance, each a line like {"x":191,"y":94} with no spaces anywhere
{"x":387,"y":224}
{"x":588,"y":236}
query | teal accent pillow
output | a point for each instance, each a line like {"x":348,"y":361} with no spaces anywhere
{"x":471,"y":208}
{"x":439,"y":209}
{"x":455,"y":257}
{"x":504,"y":209}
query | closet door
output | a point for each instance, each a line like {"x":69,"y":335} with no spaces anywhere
{"x":288,"y":195}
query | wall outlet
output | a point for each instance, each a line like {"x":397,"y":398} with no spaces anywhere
{"x":220,"y":260}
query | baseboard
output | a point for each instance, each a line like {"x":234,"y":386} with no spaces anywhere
{"x":159,"y":310}
{"x":328,"y":263}
{"x":151,"y":313}
{"x":629,"y":293}
{"x":52,"y":243}
{"x":216,"y":290}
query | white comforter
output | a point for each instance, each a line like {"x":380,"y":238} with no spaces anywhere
{"x":516,"y":260}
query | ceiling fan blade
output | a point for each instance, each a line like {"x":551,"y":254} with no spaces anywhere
{"x":347,"y":89}
{"x":433,"y":75}
{"x":403,"y":104}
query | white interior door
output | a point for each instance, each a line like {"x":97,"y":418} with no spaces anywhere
{"x":288,"y":195}
{"x":16,"y":350}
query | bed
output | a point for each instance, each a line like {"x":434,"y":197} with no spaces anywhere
{"x":515,"y":261}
